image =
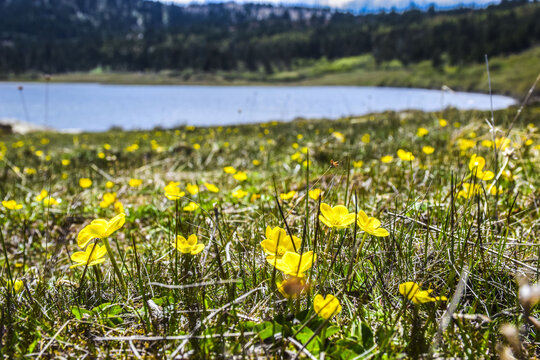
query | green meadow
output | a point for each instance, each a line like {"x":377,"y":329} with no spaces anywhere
{"x":392,"y":235}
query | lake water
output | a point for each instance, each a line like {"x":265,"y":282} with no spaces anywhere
{"x":95,"y":107}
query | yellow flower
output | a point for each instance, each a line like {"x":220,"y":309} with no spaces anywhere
{"x":405,"y":155}
{"x":294,"y":264}
{"x":292,"y":288}
{"x":192,"y":206}
{"x":89,"y":257}
{"x":85,"y":183}
{"x":132,"y":148}
{"x":339,"y":136}
{"x":277,"y":242}
{"x":240,"y":176}
{"x":315,"y":194}
{"x":287,"y":196}
{"x":118,"y":207}
{"x":196,"y":146}
{"x":371,"y":225}
{"x":11,"y":205}
{"x":256,"y":162}
{"x":99,"y":229}
{"x":337,"y":216}
{"x":255,"y":197}
{"x":299,"y":136}
{"x":412,"y":291}
{"x":428,"y":150}
{"x":366,"y":138}
{"x":172,"y":191}
{"x":487,"y":143}
{"x":189,"y":245}
{"x":469,"y":190}
{"x":357,"y":164}
{"x":465,"y":144}
{"x":387,"y":159}
{"x":326,"y":307}
{"x":476,"y":165}
{"x":108,"y":200}
{"x":229,"y":170}
{"x":422,"y":132}
{"x":295,"y":146}
{"x":107,"y":146}
{"x":109,"y":184}
{"x":296,"y":156}
{"x":211,"y":187}
{"x":42,"y":195}
{"x":135,"y":182}
{"x":16,"y":287}
{"x":443,"y":122}
{"x":239,"y":194}
{"x":502,"y":143}
{"x":193,"y":189}
{"x":39,"y":153}
{"x":50,"y":201}
{"x":30,"y":171}
{"x":101,"y":155}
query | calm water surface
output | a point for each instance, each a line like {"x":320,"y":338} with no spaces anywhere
{"x":95,"y":107}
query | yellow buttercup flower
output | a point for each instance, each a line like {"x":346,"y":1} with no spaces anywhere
{"x":357,"y":164}
{"x":476,"y":165}
{"x":99,"y":229}
{"x":254,"y":197}
{"x":256,"y":162}
{"x":85,"y":183}
{"x":405,"y":155}
{"x":90,"y":256}
{"x":30,"y":171}
{"x":189,"y":245}
{"x":292,"y":288}
{"x":428,"y":150}
{"x":443,"y":122}
{"x":502,"y":143}
{"x":315,"y":194}
{"x":135,"y":182}
{"x":294,"y":264}
{"x":16,"y":287}
{"x":412,"y":291}
{"x":109,"y":184}
{"x":196,"y":146}
{"x":422,"y":132}
{"x":469,"y":190}
{"x":387,"y":159}
{"x":172,"y":191}
{"x":337,"y":216}
{"x":239,"y":194}
{"x":192,"y":206}
{"x":193,"y":189}
{"x":465,"y":144}
{"x":50,"y":201}
{"x":287,"y":196}
{"x":240,"y":176}
{"x":108,"y":200}
{"x":211,"y":187}
{"x":42,"y":195}
{"x":371,"y":225}
{"x":118,"y":207}
{"x":339,"y":136}
{"x":326,"y":307}
{"x":366,"y":138}
{"x":277,"y":242}
{"x":229,"y":170}
{"x":11,"y":205}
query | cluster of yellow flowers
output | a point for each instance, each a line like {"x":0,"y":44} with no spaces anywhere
{"x":339,"y":217}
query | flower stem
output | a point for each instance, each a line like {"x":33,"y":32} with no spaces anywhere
{"x":115,"y":265}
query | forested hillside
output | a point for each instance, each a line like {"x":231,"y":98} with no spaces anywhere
{"x":134,"y":35}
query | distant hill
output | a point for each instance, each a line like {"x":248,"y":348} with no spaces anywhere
{"x":135,"y":35}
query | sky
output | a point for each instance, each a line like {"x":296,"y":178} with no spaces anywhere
{"x":369,"y":5}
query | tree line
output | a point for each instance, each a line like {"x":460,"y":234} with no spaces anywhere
{"x":135,"y":35}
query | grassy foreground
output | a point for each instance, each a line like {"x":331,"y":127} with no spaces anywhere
{"x":468,"y":233}
{"x":511,"y":75}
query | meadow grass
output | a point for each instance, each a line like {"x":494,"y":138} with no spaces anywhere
{"x":473,"y":247}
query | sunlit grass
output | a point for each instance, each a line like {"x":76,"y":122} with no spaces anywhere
{"x":382,"y":236}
